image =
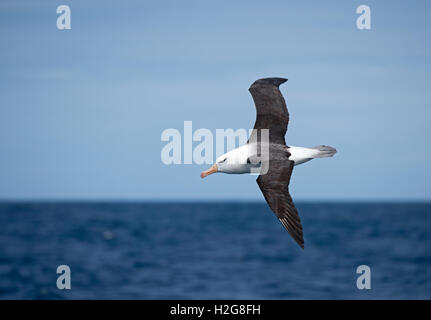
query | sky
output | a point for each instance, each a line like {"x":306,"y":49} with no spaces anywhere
{"x":82,"y":110}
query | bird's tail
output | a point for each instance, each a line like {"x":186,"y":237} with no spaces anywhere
{"x":324,"y":151}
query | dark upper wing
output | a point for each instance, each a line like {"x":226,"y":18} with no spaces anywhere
{"x":275,"y":188}
{"x":271,"y":110}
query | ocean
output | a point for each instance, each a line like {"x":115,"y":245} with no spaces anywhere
{"x":220,"y":250}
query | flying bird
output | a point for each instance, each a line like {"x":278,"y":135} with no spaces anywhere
{"x":269,"y":156}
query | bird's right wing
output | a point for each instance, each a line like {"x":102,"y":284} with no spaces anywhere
{"x":275,"y":188}
{"x":271,"y":110}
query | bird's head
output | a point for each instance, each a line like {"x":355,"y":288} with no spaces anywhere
{"x":221,"y":165}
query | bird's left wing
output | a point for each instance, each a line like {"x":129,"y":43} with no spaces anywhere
{"x":271,"y":110}
{"x":275,"y":188}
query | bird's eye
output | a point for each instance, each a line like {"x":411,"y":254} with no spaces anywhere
{"x":223,"y":160}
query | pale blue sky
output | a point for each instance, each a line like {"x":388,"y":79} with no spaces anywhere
{"x":82,"y":111}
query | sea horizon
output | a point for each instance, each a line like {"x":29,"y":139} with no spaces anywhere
{"x":206,"y":200}
{"x":213,"y":250}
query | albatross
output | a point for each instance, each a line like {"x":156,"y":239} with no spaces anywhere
{"x":270,"y":156}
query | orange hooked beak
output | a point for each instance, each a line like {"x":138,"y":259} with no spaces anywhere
{"x":211,"y":170}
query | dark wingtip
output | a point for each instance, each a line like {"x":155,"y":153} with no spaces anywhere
{"x":269,"y":82}
{"x":300,"y":242}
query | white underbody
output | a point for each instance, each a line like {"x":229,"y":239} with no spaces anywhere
{"x":300,"y":154}
{"x":237,"y":161}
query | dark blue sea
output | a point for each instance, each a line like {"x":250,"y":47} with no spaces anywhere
{"x":213,"y":251}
